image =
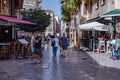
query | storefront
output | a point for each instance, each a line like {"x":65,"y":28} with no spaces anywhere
{"x":114,"y":16}
{"x":90,"y":33}
{"x":8,"y":34}
{"x":8,"y":27}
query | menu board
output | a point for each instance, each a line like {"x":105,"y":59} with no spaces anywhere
{"x":23,"y":41}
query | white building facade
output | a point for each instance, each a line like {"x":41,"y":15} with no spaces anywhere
{"x":100,"y":7}
{"x":51,"y":28}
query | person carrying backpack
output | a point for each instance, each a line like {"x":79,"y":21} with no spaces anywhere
{"x":55,"y":45}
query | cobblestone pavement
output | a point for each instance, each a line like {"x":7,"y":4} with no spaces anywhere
{"x":78,"y":65}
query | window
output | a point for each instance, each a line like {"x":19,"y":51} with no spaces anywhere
{"x":102,"y":2}
{"x":16,"y":3}
{"x":97,"y":4}
{"x":90,"y":7}
{"x":85,"y":9}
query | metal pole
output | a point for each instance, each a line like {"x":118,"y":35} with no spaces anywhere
{"x":93,"y":34}
{"x":114,"y":19}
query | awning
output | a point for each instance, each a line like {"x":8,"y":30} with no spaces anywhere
{"x":15,"y":20}
{"x":112,"y":13}
{"x":93,"y":26}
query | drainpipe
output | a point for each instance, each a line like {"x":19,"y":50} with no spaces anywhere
{"x":13,"y":14}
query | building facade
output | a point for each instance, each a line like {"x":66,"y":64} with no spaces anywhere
{"x":10,"y":9}
{"x":64,"y":28}
{"x":100,"y":7}
{"x":32,"y":4}
{"x":106,"y":12}
{"x":51,"y":28}
{"x":57,"y":24}
{"x":103,"y":11}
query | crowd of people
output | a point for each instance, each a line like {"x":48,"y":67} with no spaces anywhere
{"x":62,"y":42}
{"x":36,"y":43}
{"x":114,"y":45}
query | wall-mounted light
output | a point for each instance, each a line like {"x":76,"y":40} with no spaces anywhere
{"x":4,"y":1}
{"x":6,"y":31}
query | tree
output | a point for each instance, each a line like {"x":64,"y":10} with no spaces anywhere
{"x":37,"y":16}
{"x":69,"y":9}
{"x":66,"y":13}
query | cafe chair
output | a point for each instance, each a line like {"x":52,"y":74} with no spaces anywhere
{"x":102,"y":48}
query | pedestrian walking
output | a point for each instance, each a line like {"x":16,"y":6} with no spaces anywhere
{"x":63,"y":44}
{"x":55,"y":45}
{"x":48,"y":41}
{"x":116,"y":53}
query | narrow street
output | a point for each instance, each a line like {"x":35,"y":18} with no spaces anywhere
{"x":78,"y":65}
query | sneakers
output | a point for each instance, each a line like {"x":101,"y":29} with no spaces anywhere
{"x":54,"y":57}
{"x":36,"y":61}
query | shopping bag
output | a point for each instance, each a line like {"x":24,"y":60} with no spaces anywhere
{"x":68,"y":43}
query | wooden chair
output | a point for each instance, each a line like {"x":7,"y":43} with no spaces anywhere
{"x":102,"y":49}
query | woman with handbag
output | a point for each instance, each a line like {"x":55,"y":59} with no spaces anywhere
{"x":63,"y":44}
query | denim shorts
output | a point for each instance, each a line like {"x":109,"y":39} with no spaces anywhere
{"x":37,"y":51}
{"x":101,"y":42}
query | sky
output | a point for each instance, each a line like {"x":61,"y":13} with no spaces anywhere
{"x":53,"y":5}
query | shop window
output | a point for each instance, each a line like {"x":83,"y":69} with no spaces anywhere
{"x":102,"y":2}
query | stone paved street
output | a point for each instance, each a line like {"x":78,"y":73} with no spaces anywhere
{"x":78,"y":65}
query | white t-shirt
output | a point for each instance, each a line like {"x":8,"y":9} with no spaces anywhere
{"x":32,"y":39}
{"x":56,"y":42}
{"x":113,"y":42}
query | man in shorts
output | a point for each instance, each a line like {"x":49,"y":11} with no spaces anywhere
{"x":37,"y":47}
{"x":63,"y":44}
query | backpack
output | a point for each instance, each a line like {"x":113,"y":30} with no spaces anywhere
{"x":53,"y":43}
